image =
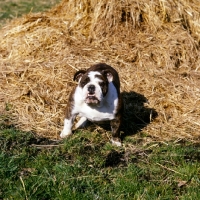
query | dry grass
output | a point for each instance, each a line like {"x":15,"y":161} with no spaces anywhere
{"x":154,"y":45}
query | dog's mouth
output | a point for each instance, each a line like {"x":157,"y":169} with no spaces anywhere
{"x":92,"y":99}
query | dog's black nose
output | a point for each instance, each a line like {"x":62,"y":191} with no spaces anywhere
{"x":91,"y":89}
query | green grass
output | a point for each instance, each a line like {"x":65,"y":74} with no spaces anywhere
{"x":86,"y":166}
{"x":10,"y":9}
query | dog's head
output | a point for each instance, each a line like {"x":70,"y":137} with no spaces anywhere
{"x":93,"y":85}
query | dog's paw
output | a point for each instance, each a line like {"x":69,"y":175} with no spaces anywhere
{"x":65,"y":134}
{"x":116,"y":142}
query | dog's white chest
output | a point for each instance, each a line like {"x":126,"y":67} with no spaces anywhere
{"x":98,"y":114}
{"x":104,"y":112}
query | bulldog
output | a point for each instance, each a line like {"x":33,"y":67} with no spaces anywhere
{"x":97,"y":99}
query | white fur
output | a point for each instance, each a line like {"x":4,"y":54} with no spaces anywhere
{"x":92,"y":75}
{"x":117,"y":143}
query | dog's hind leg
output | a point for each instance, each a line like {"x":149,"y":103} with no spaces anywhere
{"x":115,"y":127}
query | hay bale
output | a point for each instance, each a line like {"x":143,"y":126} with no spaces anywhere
{"x":153,"y":44}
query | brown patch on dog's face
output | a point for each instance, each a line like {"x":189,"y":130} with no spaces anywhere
{"x":103,"y":84}
{"x":84,"y":81}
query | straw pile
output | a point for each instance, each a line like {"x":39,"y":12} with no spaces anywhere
{"x":154,"y":45}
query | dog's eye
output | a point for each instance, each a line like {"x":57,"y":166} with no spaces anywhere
{"x":84,"y":82}
{"x":102,"y":84}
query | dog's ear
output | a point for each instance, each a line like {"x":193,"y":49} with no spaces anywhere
{"x":78,"y":75}
{"x":108,"y":75}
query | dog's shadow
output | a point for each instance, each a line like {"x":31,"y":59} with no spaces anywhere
{"x":136,"y":114}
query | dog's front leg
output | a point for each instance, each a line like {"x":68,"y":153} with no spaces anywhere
{"x":67,"y":130}
{"x":69,"y":119}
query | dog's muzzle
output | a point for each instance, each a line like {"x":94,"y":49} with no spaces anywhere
{"x":91,"y":96}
